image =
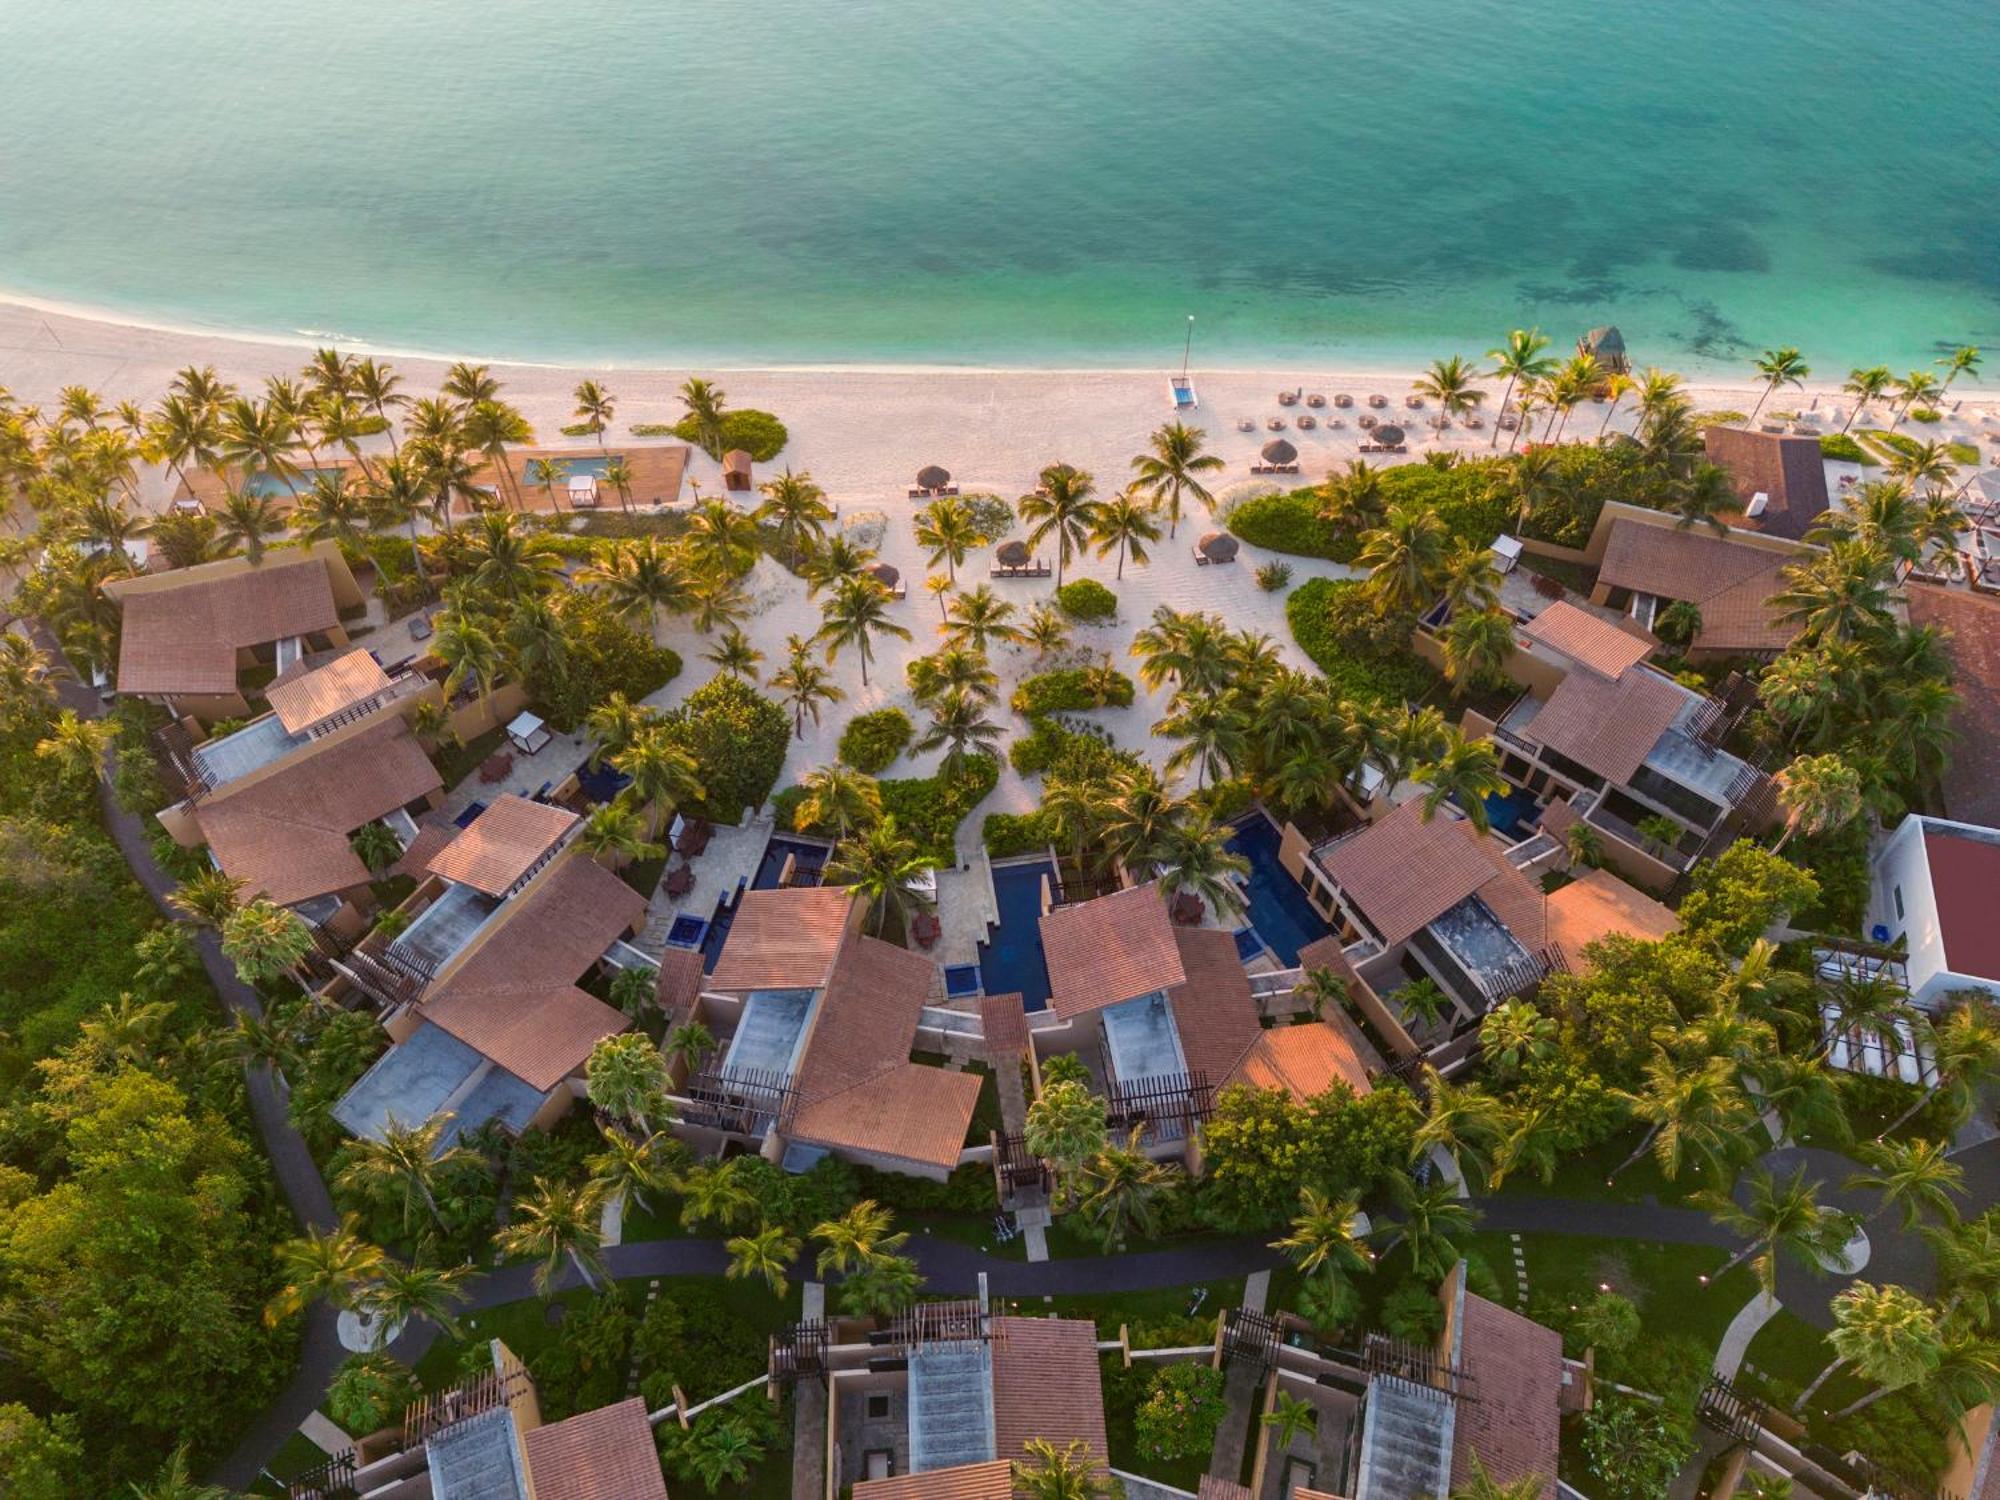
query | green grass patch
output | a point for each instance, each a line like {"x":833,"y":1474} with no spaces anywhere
{"x":456,"y":762}
{"x":1383,"y":677}
{"x":1962,"y":452}
{"x":1842,"y":447}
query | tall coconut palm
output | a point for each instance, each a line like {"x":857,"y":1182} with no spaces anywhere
{"x":595,"y":407}
{"x":1194,"y":850}
{"x":1866,"y":385}
{"x":687,"y":1044}
{"x":662,"y":773}
{"x":1477,"y":648}
{"x":883,"y":866}
{"x":405,"y":1166}
{"x":840,"y":560}
{"x":1212,"y":736}
{"x":861,"y":1234}
{"x":1066,"y":508}
{"x":1352,"y":499}
{"x":265,"y":941}
{"x":618,"y":474}
{"x":1126,"y":525}
{"x":1963,"y":360}
{"x":176,"y":1482}
{"x":1449,"y":382}
{"x":975,"y":620}
{"x":202,"y":387}
{"x":247,"y":521}
{"x":796,"y":507}
{"x":206,"y":897}
{"x":1521,"y":361}
{"x":626,"y":1077}
{"x":335,"y":1264}
{"x":806,"y":685}
{"x":1122,"y":1191}
{"x":1819,"y":793}
{"x":1968,"y":1268}
{"x":1188,"y":650}
{"x":1431,"y":1225}
{"x":469,"y":384}
{"x":1778,"y":367}
{"x":734,"y":655}
{"x":1702,"y":497}
{"x":768,"y":1253}
{"x":1780,"y":1218}
{"x":840,"y":800}
{"x":1404,"y":558}
{"x":77,"y":746}
{"x":704,"y":402}
{"x":509,"y":558}
{"x":1807,"y":1097}
{"x":858,"y":612}
{"x":1168,"y":471}
{"x":1407,"y":739}
{"x":490,"y":426}
{"x":1887,"y":1334}
{"x":1323,"y":1245}
{"x":376,"y":388}
{"x":469,"y":653}
{"x":1917,"y":386}
{"x":724,"y":537}
{"x":258,"y":438}
{"x":548,"y":474}
{"x":715,"y":1194}
{"x":1916,"y":1178}
{"x":434,"y":1293}
{"x":946,"y":528}
{"x":615,"y":832}
{"x":639,"y":579}
{"x":1065,"y":1126}
{"x":1480,"y":1485}
{"x":1462,"y":1120}
{"x":1926,"y":465}
{"x":184,"y":435}
{"x":330,"y":510}
{"x":1965,"y":1051}
{"x":959,"y":724}
{"x":553,"y":1222}
{"x":955,"y":669}
{"x":1697,"y":1112}
{"x":1841,"y":595}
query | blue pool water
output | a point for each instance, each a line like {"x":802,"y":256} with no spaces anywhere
{"x":1512,"y":812}
{"x":1279,"y":910}
{"x":961,"y":980}
{"x":1248,"y":943}
{"x":687,"y":932}
{"x":772,"y":866}
{"x":593,"y":466}
{"x":1012,"y":960}
{"x":718,"y":929}
{"x":264,"y":486}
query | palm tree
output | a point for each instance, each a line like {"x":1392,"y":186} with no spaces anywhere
{"x":1290,"y":1418}
{"x":510,"y":559}
{"x":1785,"y":1216}
{"x":1927,"y":463}
{"x":265,"y":941}
{"x":375,"y":386}
{"x":547,"y":473}
{"x":185,"y":435}
{"x":1778,"y":367}
{"x":638,"y":579}
{"x":616,"y":832}
{"x":554,"y":1222}
{"x":854,"y":616}
{"x":1353,"y":499}
{"x":174,"y":1482}
{"x":1406,"y":740}
{"x":627,"y":1077}
{"x":805,"y":684}
{"x":1432,"y":1222}
{"x":1323,"y":1245}
{"x":257,"y":438}
{"x":1963,"y":360}
{"x":1477,"y":648}
{"x":1127,"y":525}
{"x":1819,"y":794}
{"x":538,"y":646}
{"x":947,"y":529}
{"x":1071,"y":1472}
{"x":407,"y":1163}
{"x":1195,"y":850}
{"x":1843,"y":594}
{"x":399,"y":1293}
{"x":978,"y":619}
{"x":335,"y":1265}
{"x":1122,"y":1190}
{"x":1918,"y":1178}
{"x":797,"y":508}
{"x":1866,"y":385}
{"x":1702,"y":498}
{"x":716,"y":599}
{"x":1064,"y":507}
{"x":861,"y":1234}
{"x":1806,"y":1095}
{"x":1461,"y":1120}
{"x":1699,"y":1112}
{"x":959,"y":722}
{"x":662,"y":772}
{"x":734,"y":655}
{"x":207,"y":897}
{"x":839,"y":799}
{"x":246,"y":521}
{"x":634,"y":1170}
{"x":1888,"y":1334}
{"x":1521,"y":360}
{"x":490,"y":426}
{"x":1918,"y":385}
{"x":715,"y":1194}
{"x":1480,"y":1485}
{"x":1065,"y":1127}
{"x":376,"y":846}
{"x":955,"y":669}
{"x":467,"y":652}
{"x":687,"y":1044}
{"x":79,"y":747}
{"x":839,"y":560}
{"x":1465,"y":772}
{"x":704,"y":403}
{"x":1404,"y":558}
{"x":1168,"y":472}
{"x":768,"y":1253}
{"x":1965,"y":1052}
{"x":1188,"y":650}
{"x":883,"y":866}
{"x":1968,"y":1268}
{"x":594,"y":408}
{"x":618,"y":474}
{"x":1211,"y":732}
{"x":1449,"y":383}
{"x":1617,"y":386}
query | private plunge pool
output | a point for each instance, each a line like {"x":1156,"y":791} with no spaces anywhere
{"x":1011,"y":959}
{"x":1280,"y":913}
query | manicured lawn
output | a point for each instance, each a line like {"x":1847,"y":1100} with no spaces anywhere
{"x":1159,"y":1305}
{"x":457,"y":762}
{"x":1583,"y":1175}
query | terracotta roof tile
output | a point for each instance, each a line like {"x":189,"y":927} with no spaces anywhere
{"x":1965,"y":875}
{"x":513,"y":996}
{"x":681,"y":982}
{"x":1214,"y":1014}
{"x":184,"y":640}
{"x":1212,"y":1488}
{"x":1003,"y":1022}
{"x":1586,"y":639}
{"x":1972,"y":781}
{"x":1046,"y":1384}
{"x":304,"y":699}
{"x":434,"y":831}
{"x":284,"y":835}
{"x":1304,"y":1061}
{"x":1403,"y":873}
{"x":1731,"y":581}
{"x":1109,"y":950}
{"x":856,"y":1085}
{"x":1516,"y":1366}
{"x":1595,"y":905}
{"x":987,"y":1481}
{"x":502,"y":844}
{"x":607,"y":1454}
{"x":783,"y":940}
{"x":1790,"y":471}
{"x":1607,"y":726}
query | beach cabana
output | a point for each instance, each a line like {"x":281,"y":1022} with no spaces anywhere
{"x":736,"y":469}
{"x":1215,"y":547}
{"x":1278,"y":451}
{"x":1012,"y":554}
{"x":886,"y":575}
{"x":933,"y":479}
{"x":1607,"y":346}
{"x":583,"y":492}
{"x":1388,"y":433}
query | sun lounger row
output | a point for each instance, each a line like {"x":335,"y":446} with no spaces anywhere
{"x":1385,"y":447}
{"x":1024,"y":570}
{"x":1274,"y":468}
{"x":918,"y":493}
{"x":1203,"y":560}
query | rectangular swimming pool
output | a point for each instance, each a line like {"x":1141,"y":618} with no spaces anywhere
{"x":1279,"y":910}
{"x":1512,"y":813}
{"x":264,"y":485}
{"x":1012,"y":959}
{"x":811,"y":859}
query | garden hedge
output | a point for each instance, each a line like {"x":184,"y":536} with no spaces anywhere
{"x":757,"y":433}
{"x":1385,"y":677}
{"x":871,"y":742}
{"x":1087,"y":600}
{"x":1067,"y":691}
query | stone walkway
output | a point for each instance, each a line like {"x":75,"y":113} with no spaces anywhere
{"x":1753,"y":1315}
{"x":1243,"y":1389}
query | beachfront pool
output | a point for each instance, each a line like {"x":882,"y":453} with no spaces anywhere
{"x":265,"y":486}
{"x":1012,"y":959}
{"x":718,"y":928}
{"x":592,"y":465}
{"x":1278,"y":907}
{"x":771,"y":868}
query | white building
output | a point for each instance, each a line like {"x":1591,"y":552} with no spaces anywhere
{"x":1936,"y":885}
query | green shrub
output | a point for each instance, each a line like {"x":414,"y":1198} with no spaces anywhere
{"x":969,"y":1190}
{"x":585,"y":1367}
{"x":871,"y":742}
{"x":1358,"y":671}
{"x":1963,"y":452}
{"x":690,"y":1338}
{"x":605,"y":657}
{"x":1087,"y":600}
{"x":576,"y":429}
{"x":738,"y":738}
{"x":1842,"y":447}
{"x":1274,"y":576}
{"x":757,"y":433}
{"x":1072,"y":690}
{"x":654,"y":429}
{"x":927,"y":809}
{"x":992,"y":517}
{"x":1722,"y":418}
{"x":1181,"y":1412}
{"x":1008,"y":834}
{"x":1925,"y":414}
{"x":1050,"y":738}
{"x":1290,"y":523}
{"x":370,"y":1392}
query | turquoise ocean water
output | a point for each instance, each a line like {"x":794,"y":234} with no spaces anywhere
{"x":1013,"y":181}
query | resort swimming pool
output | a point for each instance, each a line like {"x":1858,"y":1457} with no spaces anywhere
{"x":592,"y":466}
{"x":1511,"y":814}
{"x":811,"y":858}
{"x":1012,"y":959}
{"x":1279,"y":910}
{"x":266,"y":486}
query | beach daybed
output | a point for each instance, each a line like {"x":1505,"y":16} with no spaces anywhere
{"x":1215,"y":547}
{"x":528,"y":733}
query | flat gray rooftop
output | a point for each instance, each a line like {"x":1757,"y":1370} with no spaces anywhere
{"x":255,"y":745}
{"x":1679,"y":758}
{"x":1477,"y":939}
{"x":1406,"y":1432}
{"x":446,"y":925}
{"x":1143,"y":1040}
{"x":768,"y":1036}
{"x":951,"y":1406}
{"x":478,"y":1459}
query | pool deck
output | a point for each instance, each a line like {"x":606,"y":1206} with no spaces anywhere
{"x":733,"y":854}
{"x":966,"y":911}
{"x":657,"y":469}
{"x":529,"y":773}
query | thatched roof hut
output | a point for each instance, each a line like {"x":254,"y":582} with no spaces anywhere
{"x":1218,"y":546}
{"x":1013,"y":554}
{"x":1278,"y":451}
{"x":1607,"y":346}
{"x":884,"y":574}
{"x":736,"y":469}
{"x":933,"y":477}
{"x":1389,"y":433}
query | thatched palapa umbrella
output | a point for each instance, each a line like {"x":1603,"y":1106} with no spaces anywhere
{"x":1389,"y":433}
{"x":932,"y":477}
{"x":1218,"y":546}
{"x":1013,"y":554}
{"x":884,"y":574}
{"x":1278,"y":451}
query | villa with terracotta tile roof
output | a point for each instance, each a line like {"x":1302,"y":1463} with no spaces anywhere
{"x":1971,"y":622}
{"x":481,"y":992}
{"x":816,"y":1022}
{"x":1779,"y":477}
{"x":196,"y":639}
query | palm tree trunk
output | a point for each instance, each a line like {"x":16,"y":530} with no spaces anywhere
{"x":1864,"y":1403}
{"x":1505,"y":396}
{"x":1850,"y":418}
{"x":1605,"y":425}
{"x":1638,"y":1152}
{"x":582,"y":1270}
{"x":1817,"y":1381}
{"x":1121,"y":559}
{"x":1737,"y":1259}
{"x":1904,"y":1118}
{"x":1760,"y":402}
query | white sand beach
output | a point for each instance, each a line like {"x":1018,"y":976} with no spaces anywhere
{"x":864,"y":432}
